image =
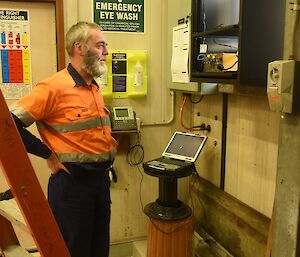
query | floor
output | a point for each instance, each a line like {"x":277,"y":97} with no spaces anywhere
{"x":130,"y":249}
{"x":139,"y":249}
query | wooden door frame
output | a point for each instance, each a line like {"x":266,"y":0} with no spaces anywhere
{"x":59,"y":18}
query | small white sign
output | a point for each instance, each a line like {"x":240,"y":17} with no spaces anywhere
{"x":202,"y":48}
{"x":180,"y":54}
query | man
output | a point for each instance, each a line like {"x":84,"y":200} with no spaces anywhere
{"x":74,"y":125}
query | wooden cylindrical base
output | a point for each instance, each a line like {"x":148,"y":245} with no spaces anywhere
{"x":170,"y":238}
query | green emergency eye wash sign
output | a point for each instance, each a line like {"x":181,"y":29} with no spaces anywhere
{"x":120,"y":15}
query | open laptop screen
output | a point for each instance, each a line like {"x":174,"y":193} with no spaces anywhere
{"x":184,"y":146}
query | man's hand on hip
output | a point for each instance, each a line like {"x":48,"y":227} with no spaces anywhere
{"x":55,"y":165}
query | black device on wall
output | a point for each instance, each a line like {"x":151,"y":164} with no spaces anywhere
{"x":248,"y":33}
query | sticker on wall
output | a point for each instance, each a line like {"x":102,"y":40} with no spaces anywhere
{"x":15,"y":62}
{"x":120,"y":15}
{"x":126,"y":74}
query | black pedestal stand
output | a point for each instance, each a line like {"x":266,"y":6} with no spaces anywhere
{"x":167,"y":206}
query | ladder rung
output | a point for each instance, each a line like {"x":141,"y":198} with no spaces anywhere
{"x":16,"y":251}
{"x":10,"y":210}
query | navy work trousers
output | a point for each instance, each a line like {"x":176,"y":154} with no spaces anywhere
{"x":80,"y":202}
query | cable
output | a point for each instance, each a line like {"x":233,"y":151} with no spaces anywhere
{"x":196,"y":128}
{"x":190,"y":195}
{"x":140,"y":190}
{"x":221,"y":67}
{"x":168,"y":232}
{"x":135,"y":154}
{"x":181,"y":112}
{"x":204,"y":16}
{"x":196,"y":102}
{"x":220,"y":44}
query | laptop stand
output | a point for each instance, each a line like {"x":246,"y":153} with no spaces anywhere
{"x":167,"y":206}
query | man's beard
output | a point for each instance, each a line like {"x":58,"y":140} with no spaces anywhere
{"x":92,"y":65}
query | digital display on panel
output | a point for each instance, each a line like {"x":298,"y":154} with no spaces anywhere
{"x":122,"y":113}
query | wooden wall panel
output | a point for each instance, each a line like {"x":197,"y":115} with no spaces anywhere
{"x":252,"y":145}
{"x":209,"y":111}
{"x":251,"y":149}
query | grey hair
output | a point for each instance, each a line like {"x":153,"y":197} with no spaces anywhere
{"x":79,"y":32}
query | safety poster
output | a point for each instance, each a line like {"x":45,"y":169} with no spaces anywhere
{"x":15,"y":60}
{"x":120,"y":15}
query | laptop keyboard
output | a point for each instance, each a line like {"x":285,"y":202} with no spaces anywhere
{"x":171,"y":161}
{"x":163,"y":165}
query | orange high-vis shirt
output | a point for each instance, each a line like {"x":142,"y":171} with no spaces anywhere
{"x":72,"y":119}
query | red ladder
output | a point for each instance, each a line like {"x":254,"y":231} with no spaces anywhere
{"x":28,"y":194}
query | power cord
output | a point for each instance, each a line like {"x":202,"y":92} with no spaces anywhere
{"x":194,"y":128}
{"x":221,"y":67}
{"x":226,"y":45}
{"x":168,"y":232}
{"x":195,"y":102}
{"x":135,"y":154}
{"x":140,"y":190}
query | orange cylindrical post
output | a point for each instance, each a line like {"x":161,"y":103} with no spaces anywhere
{"x":170,"y":238}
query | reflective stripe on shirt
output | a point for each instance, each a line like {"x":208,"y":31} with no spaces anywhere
{"x":76,"y":125}
{"x":22,"y":114}
{"x":87,"y":158}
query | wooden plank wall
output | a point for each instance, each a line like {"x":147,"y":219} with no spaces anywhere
{"x":241,"y":230}
{"x":251,"y":149}
{"x":209,"y":111}
{"x":252,"y":145}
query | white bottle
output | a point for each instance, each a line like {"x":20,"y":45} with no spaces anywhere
{"x":138,"y":74}
{"x":102,"y":80}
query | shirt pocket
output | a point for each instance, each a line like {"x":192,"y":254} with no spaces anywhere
{"x":78,"y":114}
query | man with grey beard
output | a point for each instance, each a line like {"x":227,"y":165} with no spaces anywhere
{"x":74,"y":126}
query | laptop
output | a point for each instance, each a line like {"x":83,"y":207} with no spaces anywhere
{"x":181,"y":152}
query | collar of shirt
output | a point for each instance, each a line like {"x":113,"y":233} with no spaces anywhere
{"x":79,"y":81}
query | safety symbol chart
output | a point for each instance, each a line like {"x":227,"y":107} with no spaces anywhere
{"x":15,"y":60}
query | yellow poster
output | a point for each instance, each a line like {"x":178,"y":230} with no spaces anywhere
{"x":126,"y":74}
